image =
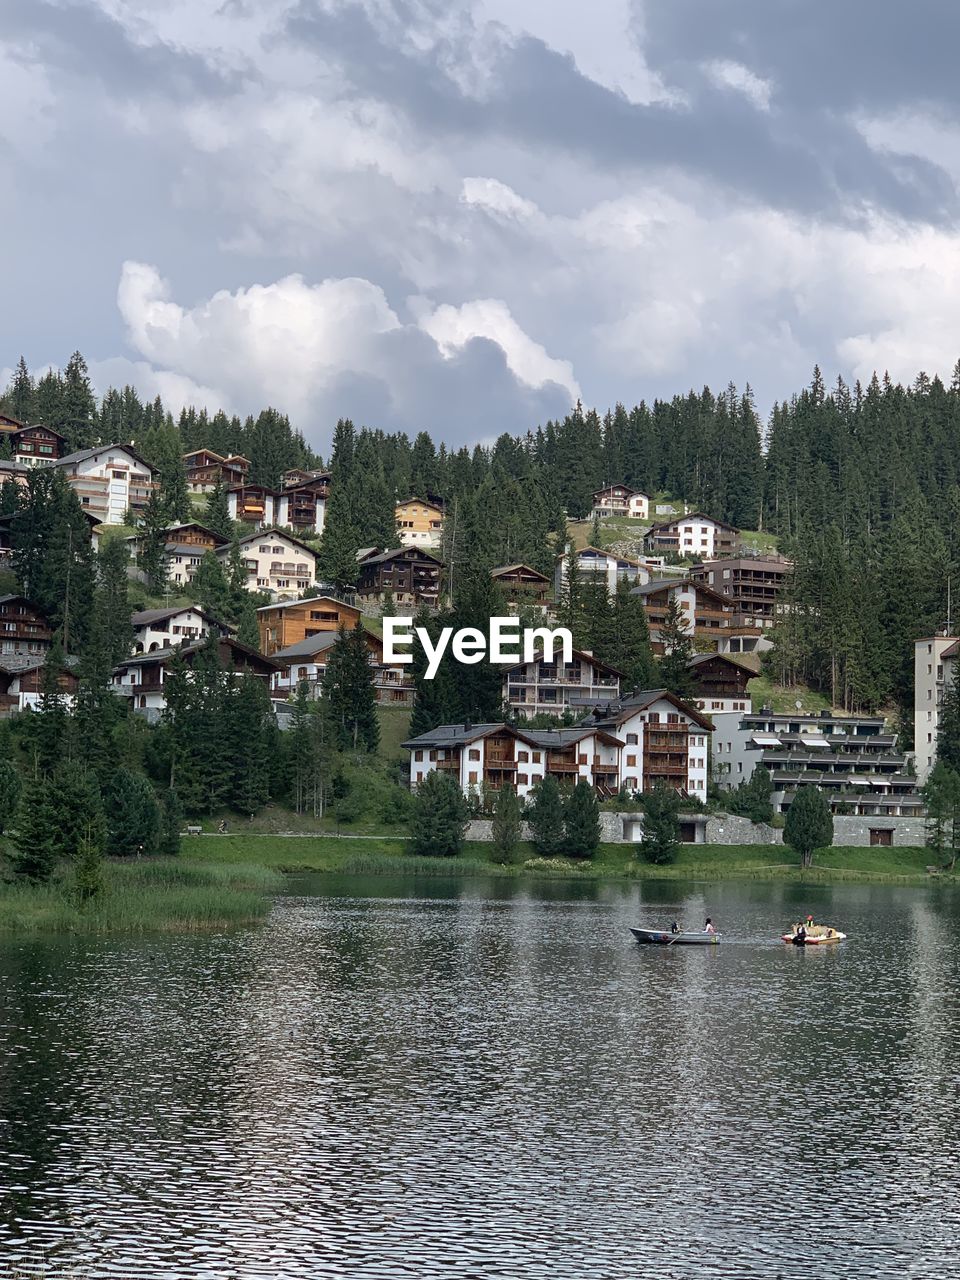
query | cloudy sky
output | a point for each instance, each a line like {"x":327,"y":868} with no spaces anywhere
{"x":463,"y":214}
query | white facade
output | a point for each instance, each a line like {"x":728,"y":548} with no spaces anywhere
{"x":698,"y":537}
{"x":282,"y":504}
{"x":934,"y":669}
{"x":618,"y":500}
{"x":595,"y":563}
{"x":163,"y":629}
{"x":276,"y":563}
{"x":109,"y":481}
{"x":640,"y":730}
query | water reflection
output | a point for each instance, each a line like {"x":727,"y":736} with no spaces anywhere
{"x":425,"y":1077}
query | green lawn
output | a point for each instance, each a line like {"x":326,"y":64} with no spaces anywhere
{"x":387,"y":855}
{"x":780,"y":698}
{"x":754,"y":540}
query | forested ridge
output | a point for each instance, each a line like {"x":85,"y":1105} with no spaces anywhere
{"x":861,"y":484}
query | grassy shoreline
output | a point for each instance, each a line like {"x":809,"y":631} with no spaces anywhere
{"x":387,"y":856}
{"x":169,"y":895}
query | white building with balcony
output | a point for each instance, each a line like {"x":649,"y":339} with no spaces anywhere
{"x":276,"y":563}
{"x":554,"y":687}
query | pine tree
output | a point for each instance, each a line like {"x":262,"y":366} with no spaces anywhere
{"x":570,"y":600}
{"x":948,"y":732}
{"x":629,"y":650}
{"x":660,"y":842}
{"x":171,"y":822}
{"x":506,"y":825}
{"x":809,"y":824}
{"x":439,"y":821}
{"x":133,"y":816}
{"x":153,"y":541}
{"x":248,"y":710}
{"x":545,"y":818}
{"x":88,"y":866}
{"x":581,"y":821}
{"x":78,"y":406}
{"x":49,"y":724}
{"x":210,"y":588}
{"x":20,"y":399}
{"x":348,"y":686}
{"x":76,"y":806}
{"x":941,"y":797}
{"x":111,"y":603}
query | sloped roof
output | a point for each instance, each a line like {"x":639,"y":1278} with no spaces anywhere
{"x":146,"y":617}
{"x":399,"y":551}
{"x":272,"y":532}
{"x":513,"y":568}
{"x":622,"y":708}
{"x":81,"y":455}
{"x":308,"y":600}
{"x":311,"y":645}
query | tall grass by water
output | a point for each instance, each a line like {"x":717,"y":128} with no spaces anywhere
{"x":165,"y":894}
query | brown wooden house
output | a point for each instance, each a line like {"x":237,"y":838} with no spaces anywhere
{"x":288,"y":622}
{"x":522,"y":585}
{"x":33,"y":445}
{"x":410,"y":574}
{"x":23,"y":628}
{"x":205,"y":469}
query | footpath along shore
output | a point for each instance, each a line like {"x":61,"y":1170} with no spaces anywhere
{"x":378,"y":854}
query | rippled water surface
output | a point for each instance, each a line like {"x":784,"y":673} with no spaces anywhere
{"x":477,"y":1079}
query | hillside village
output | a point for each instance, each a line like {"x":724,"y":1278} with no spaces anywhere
{"x":212,"y":622}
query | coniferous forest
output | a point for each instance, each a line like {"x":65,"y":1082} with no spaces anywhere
{"x":860,"y":484}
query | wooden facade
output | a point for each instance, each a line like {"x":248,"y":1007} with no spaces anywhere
{"x":23,"y":628}
{"x":205,"y":469}
{"x":286,"y":624}
{"x":522,"y":585}
{"x":410,"y":574}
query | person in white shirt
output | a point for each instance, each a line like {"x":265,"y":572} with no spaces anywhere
{"x":708,"y":927}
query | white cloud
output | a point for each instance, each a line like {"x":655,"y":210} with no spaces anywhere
{"x":726,"y":74}
{"x":453,"y":327}
{"x":497,"y":198}
{"x":174,"y":389}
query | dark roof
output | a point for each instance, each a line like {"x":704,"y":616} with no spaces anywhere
{"x":146,"y":616}
{"x":160,"y":655}
{"x":512,"y":568}
{"x":453,"y":735}
{"x":548,"y":738}
{"x":691,"y":515}
{"x":581,"y":654}
{"x":616,"y":711}
{"x":15,"y":596}
{"x":664,"y":584}
{"x":81,"y":455}
{"x":397,"y":551}
{"x":195,"y":524}
{"x":289,"y":604}
{"x":314,"y":644}
{"x":746,"y":662}
{"x":14,"y":663}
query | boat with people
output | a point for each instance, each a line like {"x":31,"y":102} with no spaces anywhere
{"x":807,"y":934}
{"x":680,"y":938}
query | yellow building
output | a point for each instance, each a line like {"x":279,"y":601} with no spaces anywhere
{"x":419,"y":523}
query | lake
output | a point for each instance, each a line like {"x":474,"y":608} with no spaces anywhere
{"x":483,"y":1078}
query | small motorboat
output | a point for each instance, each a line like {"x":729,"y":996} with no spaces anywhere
{"x":685,"y":938}
{"x":815,"y":935}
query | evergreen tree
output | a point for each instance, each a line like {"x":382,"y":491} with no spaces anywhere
{"x":941,"y":797}
{"x":675,"y":673}
{"x":36,"y":845}
{"x":76,"y":806}
{"x":20,"y":399}
{"x":216,"y":514}
{"x":153,"y":541}
{"x":88,"y":866}
{"x":948,"y":733}
{"x":111,"y":603}
{"x":545,"y":817}
{"x":629,"y":646}
{"x":438,"y":823}
{"x":10,"y":790}
{"x":133,"y":816}
{"x":171,"y":822}
{"x":809,"y":824}
{"x":660,"y":842}
{"x":581,"y":820}
{"x":348,"y":686}
{"x":506,"y":825}
{"x":78,"y":406}
{"x":49,"y":724}
{"x":570,"y":599}
{"x":248,"y":712}
{"x":210,"y":588}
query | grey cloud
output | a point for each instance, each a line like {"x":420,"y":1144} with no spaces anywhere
{"x":84,"y":40}
{"x":539,"y":97}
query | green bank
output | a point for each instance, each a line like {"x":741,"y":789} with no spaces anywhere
{"x":387,"y":855}
{"x":155,"y":895}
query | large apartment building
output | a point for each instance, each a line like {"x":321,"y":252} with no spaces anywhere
{"x":934,"y":670}
{"x":276,"y":563}
{"x":301,"y":507}
{"x":853,"y":760}
{"x":755,"y":584}
{"x":706,"y":614}
{"x":109,"y":480}
{"x":694,"y":537}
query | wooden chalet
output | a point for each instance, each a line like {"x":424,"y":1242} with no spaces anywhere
{"x":141,"y":678}
{"x":33,"y":445}
{"x":522,"y":585}
{"x":410,"y":574}
{"x":289,"y":622}
{"x":298,"y":476}
{"x":23,"y":628}
{"x":21,"y":682}
{"x":252,"y":503}
{"x":205,"y":469}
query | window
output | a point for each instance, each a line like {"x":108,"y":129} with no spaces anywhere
{"x":474,"y":754}
{"x":418,"y":755}
{"x":472,"y":777}
{"x":118,"y":475}
{"x":522,"y":779}
{"x":631,"y":762}
{"x":522,"y":757}
{"x":536,"y":757}
{"x":264,"y":551}
{"x":632,"y":739}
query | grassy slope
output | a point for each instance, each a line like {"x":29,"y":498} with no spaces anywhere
{"x":766,"y":694}
{"x":165,"y":894}
{"x":387,"y":855}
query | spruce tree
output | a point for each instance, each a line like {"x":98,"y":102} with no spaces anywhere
{"x":545,"y":817}
{"x":948,"y":732}
{"x":216,"y":514}
{"x":171,"y":822}
{"x":675,"y":673}
{"x":132,"y":816}
{"x":76,"y":805}
{"x":248,"y":711}
{"x":506,"y":825}
{"x":10,"y":790}
{"x":438,"y":823}
{"x":629,"y":650}
{"x":36,"y":845}
{"x":581,"y":821}
{"x":88,"y":864}
{"x":111,"y":603}
{"x":210,"y":588}
{"x":21,"y":394}
{"x":153,"y":541}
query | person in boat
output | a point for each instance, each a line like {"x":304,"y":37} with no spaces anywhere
{"x":675,"y":928}
{"x":708,"y":927}
{"x":800,"y":936}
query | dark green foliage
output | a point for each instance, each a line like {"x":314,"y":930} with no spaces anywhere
{"x":581,"y":821}
{"x":349,"y":691}
{"x":48,"y":727}
{"x":36,"y":843}
{"x":809,"y":824}
{"x":439,"y":821}
{"x":545,"y":816}
{"x":506,"y":825}
{"x":153,"y":559}
{"x":660,"y":843}
{"x":133,"y":816}
{"x":111,"y":605}
{"x":76,"y":805}
{"x":10,"y":789}
{"x":948,"y":733}
{"x":941,"y":795}
{"x":210,"y":588}
{"x":88,"y":864}
{"x":752,"y":798}
{"x":249,"y":744}
{"x":171,"y":822}
{"x":628,"y":648}
{"x":677,"y":643}
{"x":308,"y":750}
{"x":216,"y":514}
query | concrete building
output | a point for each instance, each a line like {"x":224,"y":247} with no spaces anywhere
{"x":934,"y":670}
{"x":555,"y":687}
{"x":755,"y":584}
{"x":277,"y":563}
{"x":694,"y":537}
{"x":155,"y":629}
{"x":706,"y":614}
